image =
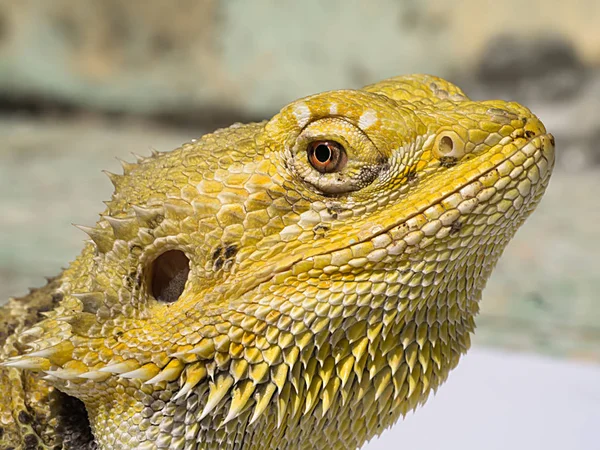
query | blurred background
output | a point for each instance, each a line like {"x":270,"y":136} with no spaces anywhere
{"x":83,"y":81}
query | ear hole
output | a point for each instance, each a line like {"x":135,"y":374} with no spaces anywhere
{"x":168,"y":275}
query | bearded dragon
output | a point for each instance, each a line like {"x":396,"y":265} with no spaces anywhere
{"x":299,"y":283}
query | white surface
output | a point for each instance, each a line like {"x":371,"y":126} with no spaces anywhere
{"x":496,"y":400}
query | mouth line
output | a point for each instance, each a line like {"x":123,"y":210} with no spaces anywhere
{"x":453,"y":192}
{"x":275,"y":269}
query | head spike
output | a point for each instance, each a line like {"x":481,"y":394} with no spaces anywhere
{"x":123,"y":228}
{"x":91,"y":301}
{"x":139,"y":158}
{"x":113,"y":177}
{"x":121,"y":367}
{"x":148,"y":217}
{"x":33,"y":332}
{"x":127,"y":166}
{"x":102,"y":237}
{"x":63,"y":374}
{"x":95,"y":375}
{"x":56,"y":354}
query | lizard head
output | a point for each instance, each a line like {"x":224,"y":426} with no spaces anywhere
{"x":287,"y":271}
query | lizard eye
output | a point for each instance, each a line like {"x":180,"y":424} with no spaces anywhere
{"x":326,"y":156}
{"x":168,"y":275}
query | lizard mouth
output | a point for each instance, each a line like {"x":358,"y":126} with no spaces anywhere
{"x":485,"y":174}
{"x":505,"y":161}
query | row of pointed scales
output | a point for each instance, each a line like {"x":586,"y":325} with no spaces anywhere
{"x":111,"y":229}
{"x":296,"y":389}
{"x":373,"y":380}
{"x":51,"y":341}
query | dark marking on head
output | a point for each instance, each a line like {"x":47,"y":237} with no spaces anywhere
{"x":136,"y":249}
{"x":367,"y":174}
{"x":156,"y":221}
{"x":217,"y":253}
{"x":31,"y":442}
{"x":230,"y":251}
{"x":320,"y":230}
{"x":529,"y":134}
{"x":223,"y":256}
{"x":456,"y":227}
{"x":57,"y":297}
{"x":448,"y":161}
{"x":132,"y":280}
{"x":24,"y":418}
{"x":334,"y":210}
{"x":412,"y":176}
{"x":552,"y":140}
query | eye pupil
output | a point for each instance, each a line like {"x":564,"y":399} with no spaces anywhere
{"x":326,"y":156}
{"x":322,"y":153}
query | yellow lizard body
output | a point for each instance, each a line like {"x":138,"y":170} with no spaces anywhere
{"x":298,"y":283}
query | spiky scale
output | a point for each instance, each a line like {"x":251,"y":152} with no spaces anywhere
{"x":148,"y":217}
{"x":91,"y":301}
{"x":127,"y":166}
{"x":114,"y":178}
{"x":121,"y":367}
{"x":28,"y":362}
{"x":282,"y":402}
{"x":239,"y":399}
{"x":170,"y":373}
{"x":125,"y":228}
{"x":218,"y":389}
{"x":329,"y":394}
{"x":194,"y":374}
{"x":102,"y":237}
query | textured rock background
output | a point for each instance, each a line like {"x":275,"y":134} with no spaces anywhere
{"x":84,"y":81}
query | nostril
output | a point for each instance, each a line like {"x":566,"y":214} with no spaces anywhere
{"x":449,"y":144}
{"x":446,"y":145}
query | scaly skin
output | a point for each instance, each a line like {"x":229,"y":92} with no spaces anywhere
{"x":319,"y":307}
